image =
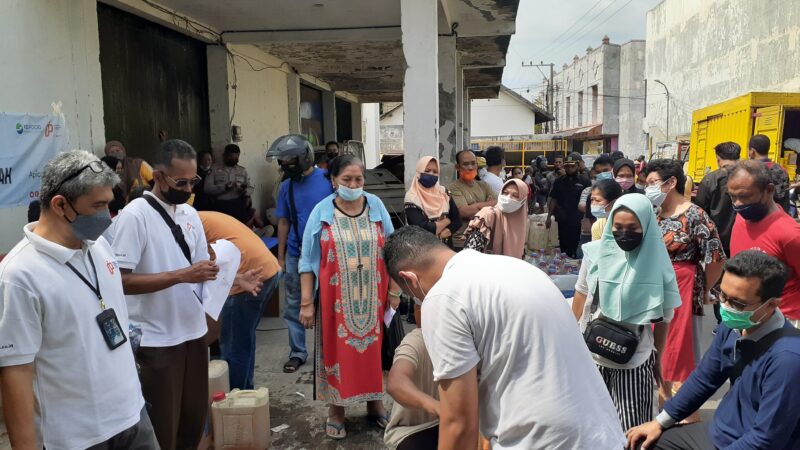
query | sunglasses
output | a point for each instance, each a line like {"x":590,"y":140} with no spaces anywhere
{"x":95,"y":166}
{"x":725,"y":298}
{"x":183,"y":182}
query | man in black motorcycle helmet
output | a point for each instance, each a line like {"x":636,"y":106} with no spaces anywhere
{"x":304,"y":186}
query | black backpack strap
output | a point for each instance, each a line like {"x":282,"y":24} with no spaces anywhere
{"x":595,"y":298}
{"x":176,"y":230}
{"x":293,"y":212}
{"x":759,"y":348}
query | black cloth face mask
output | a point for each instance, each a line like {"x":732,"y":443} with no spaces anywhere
{"x":628,"y":240}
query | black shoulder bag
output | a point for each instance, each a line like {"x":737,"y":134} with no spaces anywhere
{"x":177,"y":233}
{"x":608,"y":338}
{"x":758,"y":348}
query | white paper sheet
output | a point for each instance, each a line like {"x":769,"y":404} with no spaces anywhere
{"x":387,"y":316}
{"x":215,"y":292}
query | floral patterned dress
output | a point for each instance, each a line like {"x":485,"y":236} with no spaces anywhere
{"x":353,"y":285}
{"x":692,"y":240}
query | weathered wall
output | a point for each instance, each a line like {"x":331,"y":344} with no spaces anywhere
{"x":707,"y":51}
{"x":503,"y":116}
{"x":50,"y":52}
{"x":632,"y":139}
{"x":609,"y":89}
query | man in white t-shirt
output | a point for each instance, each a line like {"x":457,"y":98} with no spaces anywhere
{"x":162,"y":271}
{"x":500,"y":335}
{"x":495,"y":168}
{"x":66,"y":367}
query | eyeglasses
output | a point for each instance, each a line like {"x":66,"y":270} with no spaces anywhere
{"x":183,"y":182}
{"x":725,"y":298}
{"x":96,"y":166}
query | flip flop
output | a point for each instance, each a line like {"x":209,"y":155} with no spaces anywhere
{"x":380,"y":421}
{"x":335,"y":430}
{"x":292,"y":365}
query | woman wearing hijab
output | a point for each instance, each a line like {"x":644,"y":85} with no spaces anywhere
{"x":630,"y":271}
{"x":502,"y":229}
{"x":428,"y":204}
{"x":624,"y":174}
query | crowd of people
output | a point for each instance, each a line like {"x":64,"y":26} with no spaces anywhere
{"x":102,"y":307}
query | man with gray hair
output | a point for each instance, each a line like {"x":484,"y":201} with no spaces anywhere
{"x":163,"y":256}
{"x":67,"y":370}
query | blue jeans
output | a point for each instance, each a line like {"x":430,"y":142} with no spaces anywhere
{"x":237,"y":341}
{"x":291,"y":313}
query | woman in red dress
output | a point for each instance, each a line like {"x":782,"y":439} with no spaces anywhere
{"x":342,"y":258}
{"x":696,"y":251}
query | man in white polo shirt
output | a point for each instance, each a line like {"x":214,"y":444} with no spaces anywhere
{"x":500,"y":335}
{"x":163,"y":267}
{"x":66,"y":367}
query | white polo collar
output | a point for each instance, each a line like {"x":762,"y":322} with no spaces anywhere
{"x":57,"y":251}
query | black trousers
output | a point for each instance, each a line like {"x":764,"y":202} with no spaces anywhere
{"x":427,"y":439}
{"x":569,"y":235}
{"x":686,"y":437}
{"x":138,"y":437}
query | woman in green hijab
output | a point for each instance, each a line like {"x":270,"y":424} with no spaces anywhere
{"x":630,"y":269}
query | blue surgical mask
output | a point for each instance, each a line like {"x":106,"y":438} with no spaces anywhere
{"x":349,"y":194}
{"x":599,"y":211}
{"x":428,"y":180}
{"x":604,"y":176}
{"x":89,"y":227}
{"x":737,"y":320}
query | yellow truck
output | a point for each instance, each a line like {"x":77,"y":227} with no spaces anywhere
{"x":776,"y":115}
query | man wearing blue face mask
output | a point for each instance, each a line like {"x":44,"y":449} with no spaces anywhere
{"x":602,"y":167}
{"x":67,"y":370}
{"x":758,"y":351}
{"x":761,"y":224}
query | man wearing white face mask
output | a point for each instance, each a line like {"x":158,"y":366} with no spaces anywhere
{"x":502,"y":229}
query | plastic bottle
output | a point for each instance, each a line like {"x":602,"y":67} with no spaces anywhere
{"x":241,"y":420}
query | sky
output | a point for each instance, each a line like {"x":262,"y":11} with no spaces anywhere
{"x":555,"y":31}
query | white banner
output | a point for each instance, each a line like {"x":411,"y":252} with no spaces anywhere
{"x":27,"y":143}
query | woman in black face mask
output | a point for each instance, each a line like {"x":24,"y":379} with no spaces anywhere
{"x":628,"y":277}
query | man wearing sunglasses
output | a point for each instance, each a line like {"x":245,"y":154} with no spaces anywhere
{"x":67,"y":370}
{"x":755,"y":348}
{"x":163,"y":256}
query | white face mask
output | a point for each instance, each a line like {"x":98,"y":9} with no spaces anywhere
{"x":655,"y":194}
{"x":508,"y":205}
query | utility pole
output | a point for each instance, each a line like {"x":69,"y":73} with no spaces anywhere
{"x":667,"y":90}
{"x":548,"y":98}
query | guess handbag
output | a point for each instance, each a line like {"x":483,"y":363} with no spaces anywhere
{"x":610,"y":339}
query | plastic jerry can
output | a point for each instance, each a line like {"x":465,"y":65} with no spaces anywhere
{"x":218,"y":378}
{"x":241,"y":420}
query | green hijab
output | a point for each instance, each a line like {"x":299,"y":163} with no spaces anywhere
{"x":638,"y":286}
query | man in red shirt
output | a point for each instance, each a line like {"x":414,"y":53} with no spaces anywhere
{"x":762,"y":225}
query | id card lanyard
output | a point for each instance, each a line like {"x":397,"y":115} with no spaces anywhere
{"x":93,"y":287}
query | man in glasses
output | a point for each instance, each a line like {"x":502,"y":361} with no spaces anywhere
{"x":67,"y":370}
{"x":755,"y":348}
{"x":163,"y":256}
{"x":229,"y":186}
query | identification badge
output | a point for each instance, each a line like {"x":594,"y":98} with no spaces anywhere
{"x":112,"y":331}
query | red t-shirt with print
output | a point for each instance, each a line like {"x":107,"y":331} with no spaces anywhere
{"x":777,"y":235}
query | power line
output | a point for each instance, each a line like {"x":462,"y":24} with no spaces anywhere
{"x":601,"y":23}
{"x":564,"y":33}
{"x":565,"y":44}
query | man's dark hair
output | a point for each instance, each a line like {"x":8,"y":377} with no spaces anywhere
{"x":559,"y":156}
{"x":410,"y":246}
{"x":755,"y":169}
{"x":494,"y":156}
{"x":602,"y":160}
{"x":666,"y":169}
{"x":728,"y":151}
{"x":34,"y":210}
{"x":462,"y":152}
{"x":338,"y":164}
{"x":331,"y":143}
{"x":760,"y":144}
{"x":615,"y":155}
{"x":640,"y":158}
{"x":231,"y":148}
{"x":609,"y":189}
{"x":757,"y":264}
{"x":174,"y":149}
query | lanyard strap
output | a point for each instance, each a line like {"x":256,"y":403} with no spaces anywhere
{"x":94,"y":288}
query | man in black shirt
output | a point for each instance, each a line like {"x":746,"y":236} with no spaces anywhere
{"x":712,"y":196}
{"x":564,"y":198}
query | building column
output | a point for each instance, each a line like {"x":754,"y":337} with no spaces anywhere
{"x":293,"y":97}
{"x":467,"y":111}
{"x":448,"y":105}
{"x":372,"y":133}
{"x":419,"y":24}
{"x":329,"y":116}
{"x":220,"y":91}
{"x":460,"y":91}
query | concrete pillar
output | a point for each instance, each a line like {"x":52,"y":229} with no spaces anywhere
{"x":329,"y":116}
{"x":460,"y":91}
{"x":356,"y":120}
{"x":220,"y":92}
{"x":419,"y":24}
{"x":372,"y":133}
{"x":293,"y":88}
{"x":467,"y":111}
{"x":448,"y":104}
